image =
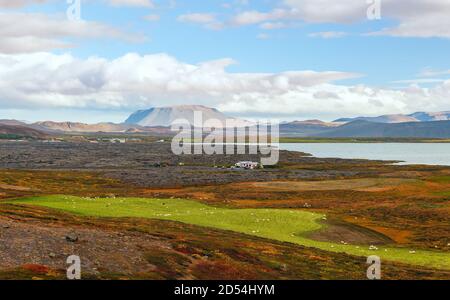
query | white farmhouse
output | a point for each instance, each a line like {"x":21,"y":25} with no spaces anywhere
{"x":249,"y":165}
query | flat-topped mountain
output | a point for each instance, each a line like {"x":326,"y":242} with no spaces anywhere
{"x":165,"y":116}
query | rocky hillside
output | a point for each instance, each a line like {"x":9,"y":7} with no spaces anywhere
{"x":18,"y":132}
{"x":80,"y":127}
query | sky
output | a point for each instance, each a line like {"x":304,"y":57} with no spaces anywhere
{"x":100,"y":60}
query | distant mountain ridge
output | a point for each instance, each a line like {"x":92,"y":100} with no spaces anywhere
{"x":427,"y":117}
{"x":51,"y":127}
{"x":80,"y":127}
{"x":74,"y":127}
{"x":21,"y":131}
{"x":12,"y":122}
{"x":400,"y":118}
{"x":156,"y":121}
{"x":305,"y":128}
{"x":366,"y":129}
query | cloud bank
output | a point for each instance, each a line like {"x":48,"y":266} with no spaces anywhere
{"x":45,"y":80}
{"x":40,"y":32}
{"x":413,"y":18}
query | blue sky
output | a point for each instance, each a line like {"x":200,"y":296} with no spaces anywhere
{"x":399,"y":63}
{"x":381,"y":59}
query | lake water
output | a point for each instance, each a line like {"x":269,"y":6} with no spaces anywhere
{"x":409,"y":153}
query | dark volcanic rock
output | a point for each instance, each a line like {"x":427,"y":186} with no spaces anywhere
{"x":71,"y":237}
{"x":154,"y":164}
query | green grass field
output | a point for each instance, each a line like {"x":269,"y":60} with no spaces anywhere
{"x":277,"y":224}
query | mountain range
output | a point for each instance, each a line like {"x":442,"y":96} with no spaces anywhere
{"x":156,"y":121}
{"x":399,"y":118}
{"x":366,"y":129}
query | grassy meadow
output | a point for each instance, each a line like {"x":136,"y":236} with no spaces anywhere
{"x":286,"y":225}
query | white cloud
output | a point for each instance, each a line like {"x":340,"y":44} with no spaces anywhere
{"x":44,"y":80}
{"x":422,"y":28}
{"x":256,"y":17}
{"x":414,"y":18}
{"x":432,"y":73}
{"x":332,"y":101}
{"x":420,"y":81}
{"x":208,"y":20}
{"x":418,"y":18}
{"x":133,"y":80}
{"x":328,"y":34}
{"x":328,"y":11}
{"x":202,"y":18}
{"x":19,"y":3}
{"x":40,"y":32}
{"x":273,"y":25}
{"x":22,"y":3}
{"x":137,"y":3}
{"x":28,"y":44}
